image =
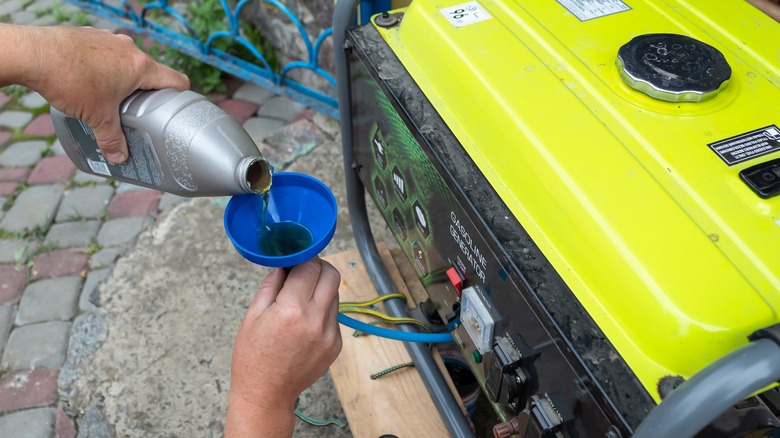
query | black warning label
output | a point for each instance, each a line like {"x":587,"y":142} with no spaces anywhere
{"x":749,"y":145}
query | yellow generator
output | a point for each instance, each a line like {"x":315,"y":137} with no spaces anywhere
{"x":589,"y":191}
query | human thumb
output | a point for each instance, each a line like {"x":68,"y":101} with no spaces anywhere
{"x":110,"y":139}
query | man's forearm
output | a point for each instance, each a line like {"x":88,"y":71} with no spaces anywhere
{"x":245,"y":421}
{"x":19,"y":53}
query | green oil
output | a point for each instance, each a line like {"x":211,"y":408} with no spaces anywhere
{"x":282,"y":238}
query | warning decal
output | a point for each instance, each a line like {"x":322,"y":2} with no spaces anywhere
{"x":465,"y":14}
{"x":749,"y":145}
{"x":589,"y":9}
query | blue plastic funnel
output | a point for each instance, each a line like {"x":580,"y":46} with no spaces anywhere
{"x":294,"y":198}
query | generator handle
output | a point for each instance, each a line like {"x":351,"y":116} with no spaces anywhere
{"x":724,"y":383}
{"x":443,"y":399}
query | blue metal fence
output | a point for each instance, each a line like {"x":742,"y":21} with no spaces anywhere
{"x":202,"y":47}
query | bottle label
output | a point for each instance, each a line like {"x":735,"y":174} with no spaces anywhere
{"x":142,"y":164}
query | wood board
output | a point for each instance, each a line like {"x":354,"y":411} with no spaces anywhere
{"x":397,"y":403}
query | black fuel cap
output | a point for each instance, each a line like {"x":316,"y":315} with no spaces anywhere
{"x":674,"y":68}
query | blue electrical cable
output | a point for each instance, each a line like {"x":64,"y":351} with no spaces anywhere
{"x":427,"y":338}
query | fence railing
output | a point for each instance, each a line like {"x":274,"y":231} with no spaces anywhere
{"x":258,"y":71}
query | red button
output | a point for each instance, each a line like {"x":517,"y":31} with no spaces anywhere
{"x":455,"y":279}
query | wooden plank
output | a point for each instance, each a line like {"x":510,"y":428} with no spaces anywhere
{"x":397,"y":403}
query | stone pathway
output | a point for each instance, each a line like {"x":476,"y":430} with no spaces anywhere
{"x":62,"y":231}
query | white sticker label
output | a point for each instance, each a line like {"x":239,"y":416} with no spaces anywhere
{"x":465,"y":14}
{"x":98,"y":167}
{"x":589,"y":9}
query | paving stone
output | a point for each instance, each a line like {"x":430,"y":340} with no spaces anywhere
{"x":4,"y":137}
{"x":64,"y":426}
{"x":122,"y":231}
{"x":100,"y":23}
{"x":42,"y":126}
{"x":6,"y":321}
{"x":14,"y":174}
{"x":4,"y":97}
{"x":33,"y":100}
{"x":52,"y":170}
{"x":84,"y":203}
{"x":8,"y":188}
{"x":292,"y":141}
{"x":24,"y":17}
{"x":54,"y":299}
{"x":58,"y":263}
{"x":15,"y":119}
{"x":253,"y":93}
{"x":169,"y":200}
{"x":11,"y":7}
{"x":261,"y":127}
{"x":39,"y":5}
{"x":104,"y":257}
{"x":32,"y":423}
{"x":12,"y":280}
{"x":216,"y":98}
{"x":90,"y":293}
{"x":28,"y":389}
{"x":16,"y":250}
{"x":239,"y":109}
{"x":23,"y":153}
{"x":281,"y":108}
{"x":72,"y":234}
{"x":45,"y":20}
{"x":84,"y":178}
{"x":69,"y":8}
{"x":34,"y":207}
{"x":134,"y":203}
{"x":37,"y":346}
{"x":328,"y":124}
{"x":127,"y":187}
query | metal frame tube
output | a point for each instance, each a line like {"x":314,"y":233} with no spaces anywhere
{"x":699,"y":401}
{"x":443,"y":398}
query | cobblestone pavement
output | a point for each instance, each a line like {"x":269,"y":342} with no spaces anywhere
{"x":62,"y":231}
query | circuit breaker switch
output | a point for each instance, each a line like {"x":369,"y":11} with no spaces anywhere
{"x":455,"y":279}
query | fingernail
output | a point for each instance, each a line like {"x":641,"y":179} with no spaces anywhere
{"x":115,"y":157}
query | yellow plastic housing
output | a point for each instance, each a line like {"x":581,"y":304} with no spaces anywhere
{"x":675,"y":258}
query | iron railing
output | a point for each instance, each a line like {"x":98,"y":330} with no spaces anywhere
{"x":257,"y":71}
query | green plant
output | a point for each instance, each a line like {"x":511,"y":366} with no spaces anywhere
{"x":82,"y":19}
{"x":60,"y":15}
{"x":35,"y":233}
{"x":94,"y":247}
{"x":40,"y":12}
{"x":15,"y":92}
{"x":204,"y":77}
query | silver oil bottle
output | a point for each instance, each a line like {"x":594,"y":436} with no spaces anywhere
{"x":178,"y":142}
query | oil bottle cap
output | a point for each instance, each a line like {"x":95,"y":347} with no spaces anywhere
{"x":674,"y":68}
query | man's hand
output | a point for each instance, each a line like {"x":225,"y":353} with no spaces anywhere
{"x":85,"y":73}
{"x":769,"y":7}
{"x":287,"y":340}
